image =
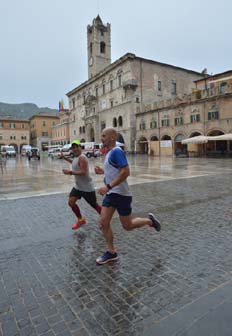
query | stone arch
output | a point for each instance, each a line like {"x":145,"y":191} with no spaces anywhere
{"x":179,"y":148}
{"x":143,"y":145}
{"x":82,"y":140}
{"x":166,"y":137}
{"x":196,"y":133}
{"x":219,"y":146}
{"x":215,"y":132}
{"x":154,"y":138}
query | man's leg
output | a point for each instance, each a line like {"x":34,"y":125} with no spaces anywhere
{"x":91,"y":198}
{"x":75,"y":208}
{"x":106,"y":216}
{"x":130,"y":223}
{"x":110,"y":254}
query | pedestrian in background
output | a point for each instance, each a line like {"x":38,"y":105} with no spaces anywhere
{"x":117,"y":195}
{"x":83,"y":183}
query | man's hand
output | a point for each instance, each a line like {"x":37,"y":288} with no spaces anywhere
{"x":67,"y":171}
{"x":103,"y":190}
{"x":98,"y":170}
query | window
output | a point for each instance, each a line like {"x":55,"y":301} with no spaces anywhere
{"x":165,"y":122}
{"x":213,"y":115}
{"x":153,"y":124}
{"x":159,"y":83}
{"x":73,"y":103}
{"x":173,"y":87}
{"x":178,"y":121}
{"x":223,"y":88}
{"x":1,"y":124}
{"x":103,"y":88}
{"x":1,"y":137}
{"x":114,"y":122}
{"x":194,"y":118}
{"x":111,"y":103}
{"x":44,"y":123}
{"x":96,"y":91}
{"x":12,"y":125}
{"x":23,"y":126}
{"x":120,"y":80}
{"x":45,"y":134}
{"x":103,"y":125}
{"x":102,"y":47}
{"x":111,"y":85}
{"x":91,"y":48}
{"x":142,"y":125}
{"x":120,"y":122}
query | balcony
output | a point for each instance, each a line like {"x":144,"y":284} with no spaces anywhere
{"x":130,"y":84}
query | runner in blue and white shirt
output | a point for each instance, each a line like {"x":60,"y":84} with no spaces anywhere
{"x":117,"y":195}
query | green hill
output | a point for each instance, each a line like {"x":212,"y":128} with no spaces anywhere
{"x":23,"y":111}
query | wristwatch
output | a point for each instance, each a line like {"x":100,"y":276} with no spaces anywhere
{"x":109,"y":186}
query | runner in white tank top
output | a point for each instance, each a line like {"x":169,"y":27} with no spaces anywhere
{"x":83,"y":184}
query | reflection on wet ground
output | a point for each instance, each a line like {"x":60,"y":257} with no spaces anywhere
{"x":23,"y":178}
{"x":49,"y":281}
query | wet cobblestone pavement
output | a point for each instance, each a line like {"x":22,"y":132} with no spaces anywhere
{"x":49,"y":281}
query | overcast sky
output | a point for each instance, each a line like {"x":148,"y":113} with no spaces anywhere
{"x":43,"y":43}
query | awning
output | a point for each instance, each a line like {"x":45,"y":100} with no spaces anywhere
{"x":200,"y":139}
{"x":221,"y":137}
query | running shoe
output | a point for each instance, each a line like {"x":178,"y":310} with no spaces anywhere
{"x":154,"y":222}
{"x":79,"y":223}
{"x":106,"y":257}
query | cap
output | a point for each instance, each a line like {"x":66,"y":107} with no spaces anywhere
{"x":76,"y":142}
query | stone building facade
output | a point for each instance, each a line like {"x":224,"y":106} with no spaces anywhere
{"x":116,"y":93}
{"x":14,"y":132}
{"x":206,"y":111}
{"x":60,"y":131}
{"x":41,"y":130}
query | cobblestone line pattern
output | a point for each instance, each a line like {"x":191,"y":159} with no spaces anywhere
{"x":50,"y":284}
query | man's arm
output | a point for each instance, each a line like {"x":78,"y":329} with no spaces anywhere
{"x":83,"y":164}
{"x":99,"y":170}
{"x":122,"y":176}
{"x":65,"y":158}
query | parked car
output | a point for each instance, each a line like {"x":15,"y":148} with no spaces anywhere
{"x":25,"y":149}
{"x":34,"y":153}
{"x":91,"y":149}
{"x":53,"y":149}
{"x":56,"y":153}
{"x":8,"y":151}
{"x":66,"y":150}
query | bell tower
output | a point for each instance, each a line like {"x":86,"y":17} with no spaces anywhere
{"x":99,"y":46}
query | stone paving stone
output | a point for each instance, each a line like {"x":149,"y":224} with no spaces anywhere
{"x":50,"y":284}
